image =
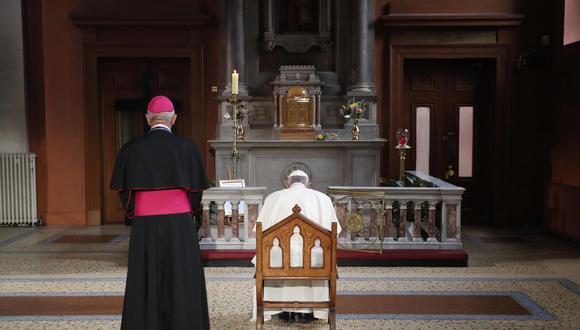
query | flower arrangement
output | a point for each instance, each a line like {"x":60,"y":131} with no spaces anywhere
{"x":353,"y":109}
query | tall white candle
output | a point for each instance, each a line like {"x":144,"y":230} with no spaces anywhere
{"x":235,"y":82}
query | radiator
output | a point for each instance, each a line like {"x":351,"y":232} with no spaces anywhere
{"x":18,"y":189}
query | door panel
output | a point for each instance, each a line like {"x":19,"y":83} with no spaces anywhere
{"x":126,"y":86}
{"x":450,"y":119}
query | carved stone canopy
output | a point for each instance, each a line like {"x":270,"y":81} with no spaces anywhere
{"x":292,"y":75}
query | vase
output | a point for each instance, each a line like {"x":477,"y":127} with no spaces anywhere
{"x":355,"y":130}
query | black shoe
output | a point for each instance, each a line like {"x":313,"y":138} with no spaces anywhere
{"x":287,"y":317}
{"x":305,"y":317}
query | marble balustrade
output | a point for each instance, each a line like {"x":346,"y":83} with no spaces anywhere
{"x":432,"y":214}
{"x":234,"y":235}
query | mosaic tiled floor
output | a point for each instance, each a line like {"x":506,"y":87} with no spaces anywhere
{"x":535,"y":278}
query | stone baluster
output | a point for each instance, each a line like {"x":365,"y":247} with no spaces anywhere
{"x":403,"y":221}
{"x":451,"y":221}
{"x":252,"y":217}
{"x":235,"y":222}
{"x":205,"y":224}
{"x":431,"y":222}
{"x":221,"y":230}
{"x":374,"y":219}
{"x":341,"y":209}
{"x":417,"y":222}
{"x":389,"y":227}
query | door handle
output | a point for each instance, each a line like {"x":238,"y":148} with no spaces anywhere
{"x":450,"y":172}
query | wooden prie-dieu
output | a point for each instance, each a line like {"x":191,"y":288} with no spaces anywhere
{"x":280,"y":235}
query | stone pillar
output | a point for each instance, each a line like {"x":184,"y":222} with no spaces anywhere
{"x":235,"y":45}
{"x":417,"y":221}
{"x":341,"y":213}
{"x":403,"y":221}
{"x":389,"y":227}
{"x":205,"y":224}
{"x":252,"y":217}
{"x":431,"y":222}
{"x":374,"y":217}
{"x":362,"y":48}
{"x":268,"y":17}
{"x":221,"y":230}
{"x":235,"y":222}
{"x":451,"y":222}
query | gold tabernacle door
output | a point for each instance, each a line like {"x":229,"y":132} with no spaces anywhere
{"x":297,"y":115}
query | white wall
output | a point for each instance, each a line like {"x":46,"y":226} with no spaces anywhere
{"x":13,"y":135}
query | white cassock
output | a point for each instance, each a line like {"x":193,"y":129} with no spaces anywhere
{"x":317,"y":207}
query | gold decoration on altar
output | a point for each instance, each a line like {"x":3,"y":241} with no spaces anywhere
{"x":354,"y":223}
{"x":297,"y":114}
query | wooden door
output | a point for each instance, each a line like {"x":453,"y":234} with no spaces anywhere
{"x":126,"y":86}
{"x":449,"y":105}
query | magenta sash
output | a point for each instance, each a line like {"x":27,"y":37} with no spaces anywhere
{"x":157,"y":202}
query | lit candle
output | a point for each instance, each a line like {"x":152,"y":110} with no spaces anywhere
{"x":235,"y":82}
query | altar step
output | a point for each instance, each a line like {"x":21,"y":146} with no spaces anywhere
{"x":349,"y":258}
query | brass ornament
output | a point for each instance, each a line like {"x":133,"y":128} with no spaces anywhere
{"x":354,"y":223}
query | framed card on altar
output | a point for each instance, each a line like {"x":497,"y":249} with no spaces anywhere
{"x":237,"y":183}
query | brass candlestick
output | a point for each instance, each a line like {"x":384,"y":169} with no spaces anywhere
{"x":402,"y":156}
{"x":402,"y":136}
{"x":235,"y":153}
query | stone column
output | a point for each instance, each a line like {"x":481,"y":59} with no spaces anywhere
{"x":221,"y":230}
{"x":341,"y":213}
{"x":389,"y":227}
{"x":362,"y":48}
{"x":451,"y":222}
{"x":431,"y":222}
{"x":205,"y":224}
{"x":235,"y":45}
{"x":252,"y":217}
{"x":235,"y":222}
{"x":374,"y":218}
{"x":403,"y":221}
{"x":417,"y":222}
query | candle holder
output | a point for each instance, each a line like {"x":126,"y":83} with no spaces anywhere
{"x":235,"y":152}
{"x":403,"y":146}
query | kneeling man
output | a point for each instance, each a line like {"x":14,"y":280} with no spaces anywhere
{"x":317,"y":207}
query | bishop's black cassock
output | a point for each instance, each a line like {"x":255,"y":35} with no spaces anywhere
{"x":160,"y":178}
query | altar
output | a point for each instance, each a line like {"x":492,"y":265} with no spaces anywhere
{"x":267,"y":162}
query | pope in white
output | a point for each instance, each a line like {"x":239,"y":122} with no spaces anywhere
{"x":317,"y":207}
